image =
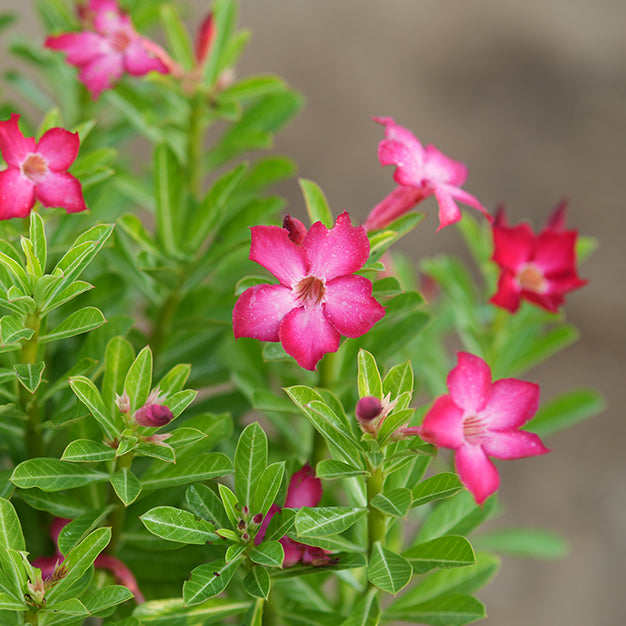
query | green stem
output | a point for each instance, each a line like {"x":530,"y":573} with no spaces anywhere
{"x":31,"y":617}
{"x":325,"y":379}
{"x":118,"y":514}
{"x":376,"y":524}
{"x":163,"y":322}
{"x":27,"y":400}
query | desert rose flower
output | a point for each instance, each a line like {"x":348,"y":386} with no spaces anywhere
{"x":479,"y":419}
{"x":421,"y":172}
{"x":154,"y":413}
{"x":37,"y":170}
{"x":305,"y":489}
{"x":318,"y":297}
{"x":539,"y":268}
{"x":108,"y":47}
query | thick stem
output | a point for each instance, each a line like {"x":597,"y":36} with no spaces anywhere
{"x":31,"y":617}
{"x":117,"y":516}
{"x":163,"y":322}
{"x":27,"y":400}
{"x":376,"y":524}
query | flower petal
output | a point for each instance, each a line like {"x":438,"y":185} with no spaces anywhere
{"x":60,"y":189}
{"x":17,"y":194}
{"x":101,"y":73}
{"x":508,"y":294}
{"x":138,"y":61}
{"x":350,"y":307}
{"x":443,"y":424}
{"x":467,"y":198}
{"x":80,"y":48}
{"x":108,"y":17}
{"x":397,"y":203}
{"x":556,"y":252}
{"x":13,"y":145}
{"x":470,"y":383}
{"x":272,"y":248}
{"x":440,"y":168}
{"x":338,"y":251}
{"x":307,"y":336}
{"x":513,"y":246}
{"x":476,"y":472}
{"x":293,"y":551}
{"x":449,"y":212}
{"x":59,"y":148}
{"x":511,"y":404}
{"x":259,"y":311}
{"x":260,"y":535}
{"x":305,"y":489}
{"x":513,"y":445}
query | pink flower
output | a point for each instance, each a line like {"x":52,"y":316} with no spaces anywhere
{"x":422,"y":172}
{"x":205,"y":38}
{"x":108,"y":47}
{"x":540,"y":268}
{"x":318,"y":298}
{"x":154,"y":413}
{"x":479,"y":419}
{"x":305,"y":489}
{"x":37,"y":170}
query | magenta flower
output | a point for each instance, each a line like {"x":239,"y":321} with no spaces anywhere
{"x":37,"y":170}
{"x":479,"y":419}
{"x":305,"y":489}
{"x":422,"y":172}
{"x":539,"y":268}
{"x":318,"y":298}
{"x":108,"y":47}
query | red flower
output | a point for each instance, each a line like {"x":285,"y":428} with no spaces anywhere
{"x":540,"y":268}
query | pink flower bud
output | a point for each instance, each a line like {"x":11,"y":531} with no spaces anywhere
{"x":153,"y":415}
{"x":304,"y":489}
{"x":297,"y":230}
{"x":123,"y":403}
{"x":257,"y":519}
{"x":205,"y":38}
{"x":368,"y":408}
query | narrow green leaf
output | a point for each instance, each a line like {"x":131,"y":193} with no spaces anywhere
{"x":324,"y":521}
{"x":139,"y":379}
{"x":87,"y":451}
{"x":281,"y":524}
{"x":30,"y":374}
{"x":531,"y":543}
{"x":81,"y":321}
{"x":8,"y":603}
{"x":250,"y":462}
{"x":118,"y":358}
{"x":89,"y":395}
{"x":75,"y":531}
{"x":205,"y":503}
{"x":174,"y":611}
{"x":177,"y":36}
{"x":399,"y":380}
{"x":369,"y":381}
{"x":446,"y":551}
{"x":257,"y":582}
{"x":11,"y":536}
{"x":33,"y":267}
{"x":54,"y":475}
{"x":225,"y":16}
{"x":388,"y":570}
{"x":14,"y":577}
{"x":162,"y":451}
{"x":267,"y":488}
{"x":446,"y":610}
{"x":168,"y":194}
{"x":57,"y":504}
{"x":316,"y":203}
{"x":436,"y":487}
{"x":269,"y":553}
{"x":106,"y":597}
{"x":208,"y":580}
{"x":126,"y":485}
{"x":229,"y":500}
{"x":395,"y":503}
{"x":366,"y":612}
{"x":329,"y":469}
{"x":187,"y":471}
{"x":12,"y":329}
{"x":177,"y":525}
{"x":175,"y":379}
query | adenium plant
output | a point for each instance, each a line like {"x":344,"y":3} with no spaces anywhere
{"x":186,"y":441}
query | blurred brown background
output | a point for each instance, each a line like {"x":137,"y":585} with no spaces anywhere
{"x":532,"y":97}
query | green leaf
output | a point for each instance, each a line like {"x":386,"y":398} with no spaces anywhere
{"x":54,"y":475}
{"x":73,"y":533}
{"x":78,"y":560}
{"x":139,"y":379}
{"x":11,"y":536}
{"x":59,"y":505}
{"x":366,"y":611}
{"x":251,"y":87}
{"x":257,"y":582}
{"x":118,"y":358}
{"x":87,"y":451}
{"x":445,"y":581}
{"x":446,"y":610}
{"x":126,"y":485}
{"x":281,"y":524}
{"x":446,"y":551}
{"x":229,"y":500}
{"x":186,"y":471}
{"x":369,"y":381}
{"x":267,"y":488}
{"x":225,"y":16}
{"x":29,"y":374}
{"x":436,"y":487}
{"x":395,"y":503}
{"x":531,"y":543}
{"x":17,"y":271}
{"x":204,"y":503}
{"x":12,"y":329}
{"x":173,"y":612}
{"x":329,"y":469}
{"x":324,"y":521}
{"x":8,"y":603}
{"x":316,"y":203}
{"x":208,"y":580}
{"x":81,"y":321}
{"x":65,"y":613}
{"x":177,"y":36}
{"x":106,"y":597}
{"x":177,"y":525}
{"x":269,"y":553}
{"x":89,"y":395}
{"x":168,"y":194}
{"x":388,"y":570}
{"x":33,"y":268}
{"x":565,"y":411}
{"x":250,"y":462}
{"x":162,"y":451}
{"x":175,"y":379}
{"x":14,"y":577}
{"x":399,"y":380}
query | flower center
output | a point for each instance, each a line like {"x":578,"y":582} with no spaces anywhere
{"x":120,"y":40}
{"x":473,"y":429}
{"x":310,"y":291}
{"x":34,"y":168}
{"x":531,"y":278}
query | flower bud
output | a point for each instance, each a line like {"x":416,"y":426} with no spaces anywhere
{"x":123,"y":403}
{"x":153,"y":415}
{"x":297,"y":230}
{"x":257,"y":519}
{"x":368,"y":408}
{"x":205,"y":38}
